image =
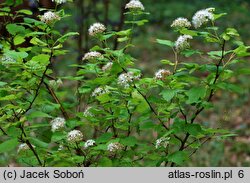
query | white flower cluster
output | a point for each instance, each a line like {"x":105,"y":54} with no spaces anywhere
{"x":96,"y":28}
{"x":115,"y":146}
{"x":181,"y":23}
{"x":126,"y":78}
{"x":134,"y":5}
{"x":202,"y":16}
{"x":23,"y":147}
{"x":59,"y":1}
{"x":107,"y":67}
{"x":162,"y":142}
{"x":182,"y":42}
{"x":49,"y":17}
{"x":74,"y":136}
{"x":87,"y":112}
{"x":161,"y":74}
{"x":92,"y":55}
{"x":99,"y":91}
{"x":89,"y":143}
{"x":57,"y":124}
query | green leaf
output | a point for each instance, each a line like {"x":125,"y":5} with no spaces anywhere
{"x":84,"y":89}
{"x":105,"y":162}
{"x":124,"y":32}
{"x":33,"y":21}
{"x":38,"y":114}
{"x":193,"y":129}
{"x":66,"y":36}
{"x":36,"y":41}
{"x":168,"y":94}
{"x":232,"y":32}
{"x":34,"y":34}
{"x":215,"y":54}
{"x":217,"y":16}
{"x":39,"y":125}
{"x":228,"y":135}
{"x":8,"y":145}
{"x":14,"y":29}
{"x":42,"y":59}
{"x":189,"y":52}
{"x":16,"y":55}
{"x":244,"y":71}
{"x":3,"y":83}
{"x":38,"y":143}
{"x":104,"y":98}
{"x":26,"y":12}
{"x":147,"y":125}
{"x":189,"y":32}
{"x":57,"y":136}
{"x":165,"y":42}
{"x":9,"y":97}
{"x":18,"y":40}
{"x":178,"y":157}
{"x":230,"y":87}
{"x":104,"y":138}
{"x":122,"y":39}
{"x":242,"y":51}
{"x":129,"y":141}
{"x":167,"y":62}
{"x":77,"y":159}
{"x":103,"y":37}
{"x":196,"y":93}
{"x":138,"y":22}
{"x":179,"y":125}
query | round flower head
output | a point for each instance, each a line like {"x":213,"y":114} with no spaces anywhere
{"x":96,"y":28}
{"x":203,"y":16}
{"x":87,"y":112}
{"x":92,"y":55}
{"x":99,"y":91}
{"x":161,"y":74}
{"x":115,"y":146}
{"x":89,"y":143}
{"x":126,"y":78}
{"x":182,"y":42}
{"x":74,"y":136}
{"x":59,"y":1}
{"x":49,"y":17}
{"x":57,"y":124}
{"x":181,"y":23}
{"x":107,"y":67}
{"x":134,"y":5}
{"x":162,"y":142}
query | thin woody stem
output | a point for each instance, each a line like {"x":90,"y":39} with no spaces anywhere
{"x":54,"y":96}
{"x":151,"y":107}
{"x":198,"y":111}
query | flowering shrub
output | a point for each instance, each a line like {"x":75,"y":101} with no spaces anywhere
{"x":126,"y":119}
